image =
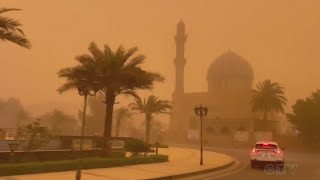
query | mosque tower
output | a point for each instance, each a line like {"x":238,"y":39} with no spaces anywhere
{"x":180,"y":60}
{"x":177,"y":115}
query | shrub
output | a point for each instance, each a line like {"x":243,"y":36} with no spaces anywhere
{"x":136,"y":146}
{"x":36,"y":134}
{"x":58,"y":155}
{"x":67,"y":165}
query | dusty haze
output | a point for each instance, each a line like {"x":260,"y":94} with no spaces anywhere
{"x":281,"y":40}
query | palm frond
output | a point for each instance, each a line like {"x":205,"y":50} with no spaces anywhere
{"x":9,"y":24}
{"x":130,"y":93}
{"x":108,"y":54}
{"x":134,"y":62}
{"x":15,"y":38}
{"x":129,"y":53}
{"x":95,"y":51}
{"x":3,"y":10}
{"x":69,"y":85}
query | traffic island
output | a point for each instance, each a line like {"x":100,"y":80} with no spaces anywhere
{"x":182,"y":162}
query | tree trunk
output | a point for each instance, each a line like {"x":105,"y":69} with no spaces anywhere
{"x":148,"y":123}
{"x":118,"y":127}
{"x":110,"y":99}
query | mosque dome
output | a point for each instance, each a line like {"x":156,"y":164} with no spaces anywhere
{"x":230,"y":71}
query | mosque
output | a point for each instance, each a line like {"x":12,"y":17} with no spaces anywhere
{"x":230,"y":83}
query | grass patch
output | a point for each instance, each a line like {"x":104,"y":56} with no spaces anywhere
{"x":67,"y":165}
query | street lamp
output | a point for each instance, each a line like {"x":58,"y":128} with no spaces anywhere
{"x":201,"y":111}
{"x":157,"y":144}
{"x":85,"y":88}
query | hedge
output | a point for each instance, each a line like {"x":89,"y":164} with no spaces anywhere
{"x":67,"y":165}
{"x":55,"y":155}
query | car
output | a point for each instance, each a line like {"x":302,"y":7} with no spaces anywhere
{"x":266,"y":152}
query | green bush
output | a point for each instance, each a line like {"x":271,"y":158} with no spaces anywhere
{"x":56,"y":155}
{"x":67,"y":165}
{"x":136,"y":146}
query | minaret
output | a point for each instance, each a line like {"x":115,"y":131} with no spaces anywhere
{"x":180,"y":60}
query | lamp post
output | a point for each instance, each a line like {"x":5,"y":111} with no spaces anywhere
{"x":157,"y":144}
{"x":201,"y":111}
{"x":85,"y":88}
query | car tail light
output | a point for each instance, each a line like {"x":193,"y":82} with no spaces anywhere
{"x":254,"y":150}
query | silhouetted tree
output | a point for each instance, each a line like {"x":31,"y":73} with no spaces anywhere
{"x":156,"y":128}
{"x":95,"y":117}
{"x":35,"y":133}
{"x":306,"y":118}
{"x":121,"y":115}
{"x":10,"y":29}
{"x":59,"y":122}
{"x":12,"y":112}
{"x":267,"y":99}
{"x":118,"y":72}
{"x":151,"y":105}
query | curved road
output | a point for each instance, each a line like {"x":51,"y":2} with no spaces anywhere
{"x":299,"y":166}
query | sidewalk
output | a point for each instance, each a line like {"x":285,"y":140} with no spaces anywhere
{"x":181,"y":161}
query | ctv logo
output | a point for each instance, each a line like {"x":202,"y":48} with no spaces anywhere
{"x":280,"y":169}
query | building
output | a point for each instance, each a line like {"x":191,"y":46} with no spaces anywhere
{"x":230,"y":81}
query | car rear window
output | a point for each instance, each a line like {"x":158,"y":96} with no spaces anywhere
{"x":266,"y":146}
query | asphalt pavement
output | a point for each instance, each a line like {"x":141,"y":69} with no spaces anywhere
{"x":298,"y":166}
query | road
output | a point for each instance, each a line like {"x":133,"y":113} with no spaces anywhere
{"x":299,"y":166}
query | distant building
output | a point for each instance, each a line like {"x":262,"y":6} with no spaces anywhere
{"x":11,"y":113}
{"x":230,"y":81}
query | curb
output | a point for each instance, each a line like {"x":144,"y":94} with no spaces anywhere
{"x":193,"y":173}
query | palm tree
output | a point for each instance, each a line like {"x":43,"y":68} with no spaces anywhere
{"x":121,"y":114}
{"x":268,"y":98}
{"x":10,"y":29}
{"x":151,"y":105}
{"x":118,"y":72}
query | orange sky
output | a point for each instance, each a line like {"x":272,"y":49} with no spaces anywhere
{"x":280,"y":38}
